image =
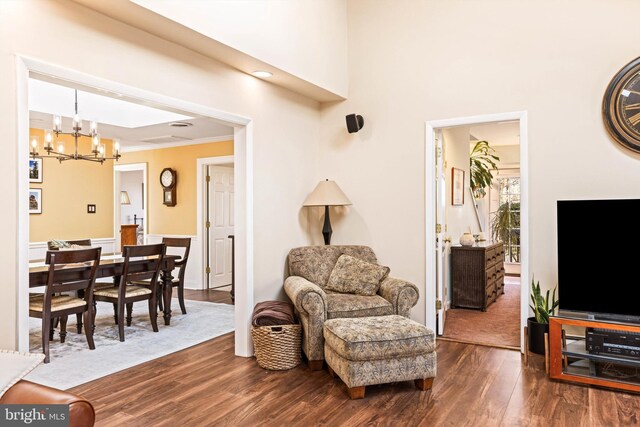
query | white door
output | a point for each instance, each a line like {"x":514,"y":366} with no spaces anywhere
{"x":220,"y":221}
{"x":441,"y":248}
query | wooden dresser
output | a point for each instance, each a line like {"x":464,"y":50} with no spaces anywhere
{"x":477,"y":274}
{"x":128,"y":235}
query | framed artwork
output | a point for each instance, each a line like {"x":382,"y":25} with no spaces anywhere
{"x":457,"y":187}
{"x":35,"y":200}
{"x":35,"y":170}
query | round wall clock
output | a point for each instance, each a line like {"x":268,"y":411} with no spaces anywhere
{"x":168,"y":180}
{"x":621,"y":106}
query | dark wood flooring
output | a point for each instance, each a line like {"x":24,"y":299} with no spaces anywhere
{"x":210,"y":295}
{"x":207,"y":385}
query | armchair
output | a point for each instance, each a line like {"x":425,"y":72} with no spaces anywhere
{"x":309,"y":271}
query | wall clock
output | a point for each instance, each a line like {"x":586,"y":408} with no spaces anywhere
{"x":621,"y":106}
{"x":168,"y":180}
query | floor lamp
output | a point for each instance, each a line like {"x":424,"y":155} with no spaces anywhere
{"x":327,"y":193}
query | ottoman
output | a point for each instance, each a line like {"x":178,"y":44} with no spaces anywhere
{"x":378,"y":350}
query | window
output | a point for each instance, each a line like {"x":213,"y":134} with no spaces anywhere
{"x":505,"y":224}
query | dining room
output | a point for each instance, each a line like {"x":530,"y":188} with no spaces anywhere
{"x":115,"y":253}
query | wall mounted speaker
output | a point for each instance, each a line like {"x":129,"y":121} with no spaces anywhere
{"x":354,"y":123}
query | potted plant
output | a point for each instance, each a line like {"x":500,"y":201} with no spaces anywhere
{"x":482,"y":162}
{"x":538,"y":325}
{"x":505,"y":227}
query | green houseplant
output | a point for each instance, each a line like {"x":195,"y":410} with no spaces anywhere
{"x":482,"y":161}
{"x":505,"y":227}
{"x":538,"y":324}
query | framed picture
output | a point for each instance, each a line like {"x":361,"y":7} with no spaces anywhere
{"x":457,"y":187}
{"x":35,"y":170}
{"x":35,"y":200}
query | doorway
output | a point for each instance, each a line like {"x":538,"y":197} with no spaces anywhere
{"x":219,"y":226}
{"x":243,"y":140}
{"x":444,"y":226}
{"x":130,"y":201}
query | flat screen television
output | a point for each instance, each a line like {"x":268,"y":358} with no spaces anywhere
{"x":599,"y":258}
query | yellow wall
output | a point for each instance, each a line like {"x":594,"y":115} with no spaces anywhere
{"x":67,"y":189}
{"x":179,"y":219}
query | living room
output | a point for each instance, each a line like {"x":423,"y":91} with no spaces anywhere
{"x":398,"y":65}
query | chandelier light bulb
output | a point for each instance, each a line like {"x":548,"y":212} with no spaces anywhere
{"x":34,"y":145}
{"x":96,"y":141}
{"x":93,"y":128}
{"x":77,"y":123}
{"x":101,"y":151}
{"x":116,"y":147}
{"x":60,"y":147}
{"x":48,"y":140}
{"x":57,"y":123}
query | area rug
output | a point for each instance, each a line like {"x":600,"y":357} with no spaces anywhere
{"x":498,"y":326}
{"x":72,"y":363}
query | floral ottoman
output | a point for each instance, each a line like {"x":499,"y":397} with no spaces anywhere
{"x":378,"y":350}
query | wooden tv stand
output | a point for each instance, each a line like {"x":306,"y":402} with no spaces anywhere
{"x":569,"y":359}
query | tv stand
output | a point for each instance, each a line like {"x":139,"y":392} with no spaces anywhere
{"x":569,"y":359}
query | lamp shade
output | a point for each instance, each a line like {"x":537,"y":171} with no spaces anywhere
{"x":124,"y":198}
{"x":327,"y":193}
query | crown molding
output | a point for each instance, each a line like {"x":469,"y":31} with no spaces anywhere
{"x":152,"y":146}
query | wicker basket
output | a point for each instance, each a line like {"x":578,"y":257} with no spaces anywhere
{"x":277,"y":347}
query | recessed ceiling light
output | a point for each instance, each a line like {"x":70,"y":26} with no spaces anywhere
{"x":180,"y":124}
{"x":262,"y":74}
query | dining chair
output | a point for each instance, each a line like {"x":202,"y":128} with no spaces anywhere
{"x":50,"y":304}
{"x":181,"y":265}
{"x":126,"y":293}
{"x":55,"y":245}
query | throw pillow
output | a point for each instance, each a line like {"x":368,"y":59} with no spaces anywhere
{"x":351,"y":275}
{"x":14,"y":366}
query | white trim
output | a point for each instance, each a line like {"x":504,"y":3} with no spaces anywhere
{"x":157,"y":146}
{"x":200,"y":198}
{"x":243,"y":149}
{"x":22,"y":249}
{"x":131,"y":167}
{"x":430,"y":179}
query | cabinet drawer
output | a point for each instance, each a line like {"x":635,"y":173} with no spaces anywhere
{"x":490,"y":256}
{"x":491,"y":274}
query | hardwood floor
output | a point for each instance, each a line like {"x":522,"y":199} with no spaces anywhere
{"x":210,"y":295}
{"x":475,"y":386}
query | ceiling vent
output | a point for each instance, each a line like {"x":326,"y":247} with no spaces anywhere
{"x":180,"y":124}
{"x":165,"y":138}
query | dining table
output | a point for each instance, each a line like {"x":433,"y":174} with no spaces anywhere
{"x":111,"y":266}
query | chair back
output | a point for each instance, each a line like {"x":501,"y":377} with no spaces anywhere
{"x":83,"y":275}
{"x":179,"y":242}
{"x":315,"y":263}
{"x":153,"y":253}
{"x":52,"y":244}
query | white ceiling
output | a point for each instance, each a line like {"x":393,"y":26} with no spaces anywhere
{"x":502,"y":133}
{"x":137,"y":126}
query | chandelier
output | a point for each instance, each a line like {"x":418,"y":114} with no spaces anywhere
{"x":97,"y":148}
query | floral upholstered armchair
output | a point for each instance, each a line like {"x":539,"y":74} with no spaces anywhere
{"x":312,"y":285}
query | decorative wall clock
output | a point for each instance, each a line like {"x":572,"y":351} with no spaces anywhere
{"x":621,"y":106}
{"x":168,"y":180}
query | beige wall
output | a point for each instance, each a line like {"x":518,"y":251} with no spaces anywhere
{"x":179,"y":219}
{"x":67,"y":189}
{"x":285,"y":125}
{"x":445,"y":59}
{"x":459,"y":218}
{"x":307,"y":38}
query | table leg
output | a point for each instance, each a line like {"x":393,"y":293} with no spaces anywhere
{"x":167,"y":289}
